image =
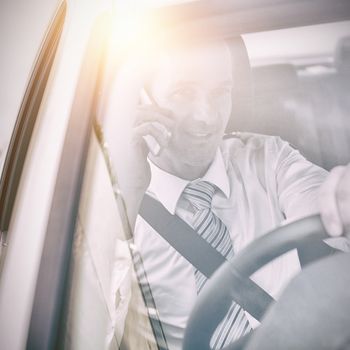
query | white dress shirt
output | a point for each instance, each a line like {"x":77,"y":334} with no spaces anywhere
{"x":263,"y":181}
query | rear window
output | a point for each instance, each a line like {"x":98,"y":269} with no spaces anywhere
{"x":301,"y":83}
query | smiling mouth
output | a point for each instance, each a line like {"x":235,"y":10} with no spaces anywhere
{"x":200,"y":135}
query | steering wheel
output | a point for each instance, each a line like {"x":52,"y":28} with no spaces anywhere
{"x":217,"y":295}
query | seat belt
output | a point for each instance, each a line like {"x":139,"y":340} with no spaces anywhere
{"x":181,"y":236}
{"x":197,"y":251}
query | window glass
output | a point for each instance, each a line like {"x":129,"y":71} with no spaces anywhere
{"x":140,"y":291}
{"x":303,"y":45}
{"x":301,"y":81}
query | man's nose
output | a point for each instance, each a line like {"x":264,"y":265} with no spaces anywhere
{"x":203,"y":111}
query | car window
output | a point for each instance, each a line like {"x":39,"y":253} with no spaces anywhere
{"x":297,"y":95}
{"x":301,"y":46}
{"x":288,"y":85}
{"x":300,"y":80}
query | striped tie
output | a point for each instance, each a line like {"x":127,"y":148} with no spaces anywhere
{"x":214,"y":231}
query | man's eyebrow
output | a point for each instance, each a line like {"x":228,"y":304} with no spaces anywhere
{"x":185,"y":83}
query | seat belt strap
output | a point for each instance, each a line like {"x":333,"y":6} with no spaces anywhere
{"x":197,"y":250}
{"x":181,"y":237}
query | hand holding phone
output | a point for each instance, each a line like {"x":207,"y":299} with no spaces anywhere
{"x":149,"y":131}
{"x":160,"y":122}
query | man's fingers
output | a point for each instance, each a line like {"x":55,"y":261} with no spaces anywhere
{"x":160,"y":136}
{"x":343,"y":198}
{"x":151,"y":107}
{"x":154,"y":114}
{"x":328,"y":202}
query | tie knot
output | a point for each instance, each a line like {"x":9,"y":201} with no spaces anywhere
{"x":200,"y":194}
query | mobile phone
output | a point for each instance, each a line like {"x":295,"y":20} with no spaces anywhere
{"x":152,"y":143}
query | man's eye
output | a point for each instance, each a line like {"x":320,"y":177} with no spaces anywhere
{"x":183,"y":93}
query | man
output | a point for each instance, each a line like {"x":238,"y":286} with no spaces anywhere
{"x":256,"y":181}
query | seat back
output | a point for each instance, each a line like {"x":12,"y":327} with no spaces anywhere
{"x":310,"y":111}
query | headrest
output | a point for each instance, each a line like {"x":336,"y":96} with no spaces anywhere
{"x":242,"y":94}
{"x":274,"y":78}
{"x":342,"y":55}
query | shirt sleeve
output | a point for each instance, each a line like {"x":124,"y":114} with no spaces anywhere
{"x":297,"y":180}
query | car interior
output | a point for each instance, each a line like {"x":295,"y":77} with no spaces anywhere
{"x":94,"y":299}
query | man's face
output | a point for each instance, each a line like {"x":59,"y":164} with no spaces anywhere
{"x":195,"y":85}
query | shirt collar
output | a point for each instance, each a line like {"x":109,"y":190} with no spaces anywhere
{"x":168,"y":188}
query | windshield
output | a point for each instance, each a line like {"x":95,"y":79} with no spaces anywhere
{"x":232,"y":135}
